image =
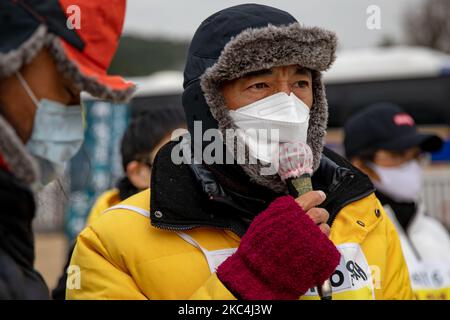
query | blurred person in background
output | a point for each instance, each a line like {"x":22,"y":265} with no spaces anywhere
{"x":225,"y":230}
{"x":44,"y":65}
{"x":383,"y":142}
{"x":146,"y":133}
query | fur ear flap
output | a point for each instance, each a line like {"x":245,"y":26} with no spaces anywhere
{"x":15,"y":154}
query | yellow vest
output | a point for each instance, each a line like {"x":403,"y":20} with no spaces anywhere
{"x":121,"y":256}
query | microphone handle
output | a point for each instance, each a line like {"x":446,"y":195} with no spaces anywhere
{"x":300,"y":185}
{"x":297,"y":187}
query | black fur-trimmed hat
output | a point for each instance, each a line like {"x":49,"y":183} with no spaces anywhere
{"x":82,"y":52}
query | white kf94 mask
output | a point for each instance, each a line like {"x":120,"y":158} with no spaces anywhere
{"x":402,"y":183}
{"x":279,"y":118}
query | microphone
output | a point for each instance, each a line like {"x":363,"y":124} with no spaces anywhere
{"x":295,"y":168}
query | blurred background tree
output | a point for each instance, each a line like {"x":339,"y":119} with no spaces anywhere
{"x":139,"y":56}
{"x":428,"y":25}
{"x":387,"y":41}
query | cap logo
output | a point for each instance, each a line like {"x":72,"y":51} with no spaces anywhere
{"x":404,"y":119}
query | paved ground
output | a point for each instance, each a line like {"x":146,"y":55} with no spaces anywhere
{"x":50,"y":256}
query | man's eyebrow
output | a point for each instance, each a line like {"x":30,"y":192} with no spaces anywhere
{"x":263,"y":72}
{"x":303,"y":71}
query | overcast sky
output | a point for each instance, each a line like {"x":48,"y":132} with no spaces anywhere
{"x":180,"y":18}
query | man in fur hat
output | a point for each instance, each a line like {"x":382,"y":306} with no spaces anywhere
{"x":227,"y":230}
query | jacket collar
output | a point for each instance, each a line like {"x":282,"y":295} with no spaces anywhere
{"x":404,"y":212}
{"x":341,"y":181}
{"x":186,"y":196}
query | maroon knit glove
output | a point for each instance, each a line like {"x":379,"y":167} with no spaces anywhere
{"x":282,"y":255}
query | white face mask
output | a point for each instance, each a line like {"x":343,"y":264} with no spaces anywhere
{"x":279,"y":118}
{"x":402,"y":184}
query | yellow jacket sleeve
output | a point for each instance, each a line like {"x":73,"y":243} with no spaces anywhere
{"x":102,"y":276}
{"x":397,"y":285}
{"x":98,"y":276}
{"x":213,"y":289}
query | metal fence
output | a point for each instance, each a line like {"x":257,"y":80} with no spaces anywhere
{"x":436,"y":194}
{"x":51,"y":204}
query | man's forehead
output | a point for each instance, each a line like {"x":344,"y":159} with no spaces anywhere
{"x":263,"y":72}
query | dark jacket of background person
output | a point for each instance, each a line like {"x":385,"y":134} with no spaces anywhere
{"x":18,"y":278}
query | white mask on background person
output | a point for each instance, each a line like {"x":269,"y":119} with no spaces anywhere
{"x":402,"y":184}
{"x":57,"y":135}
{"x":286,"y":114}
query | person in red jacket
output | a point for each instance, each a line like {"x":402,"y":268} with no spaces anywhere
{"x":50,"y":51}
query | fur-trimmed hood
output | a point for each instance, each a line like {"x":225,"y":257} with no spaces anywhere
{"x":16,"y":156}
{"x":247,"y":38}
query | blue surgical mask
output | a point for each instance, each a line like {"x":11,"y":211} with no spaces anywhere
{"x":57,"y":135}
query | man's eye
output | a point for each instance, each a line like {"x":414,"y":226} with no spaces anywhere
{"x":302,"y":84}
{"x":260,"y":85}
